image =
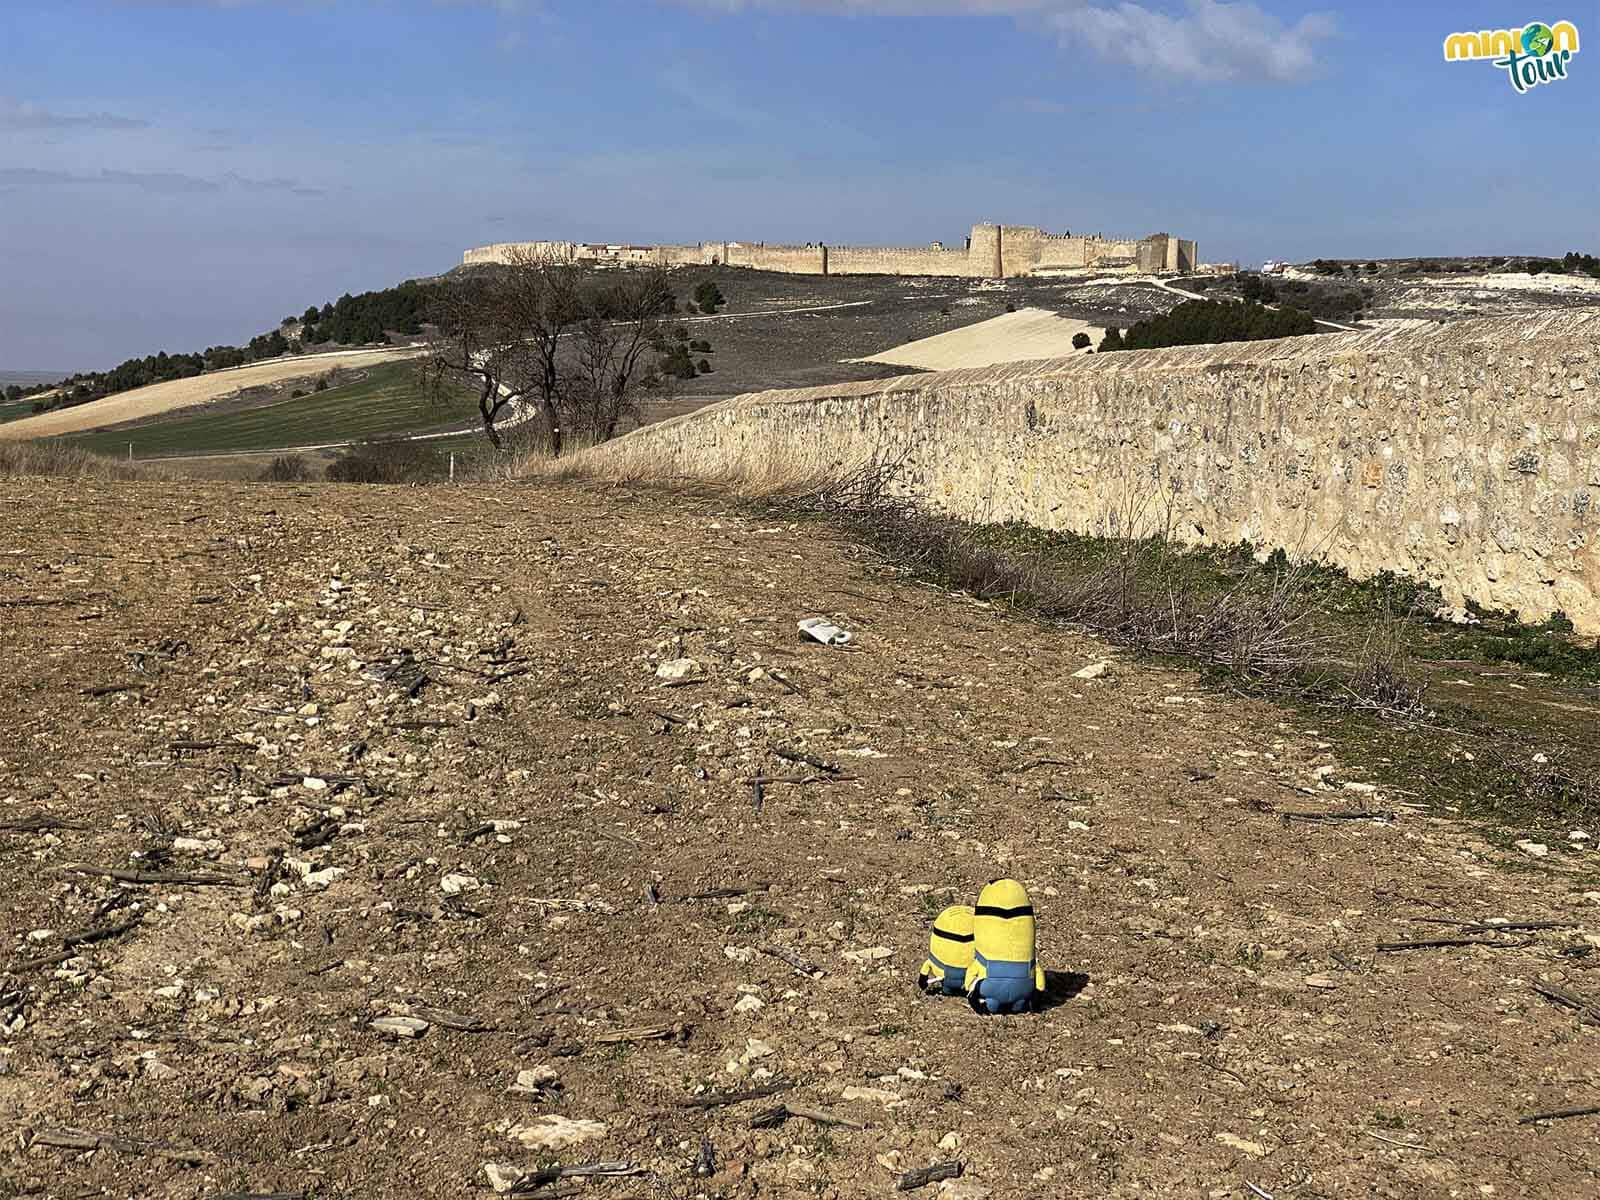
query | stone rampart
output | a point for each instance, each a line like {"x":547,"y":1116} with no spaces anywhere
{"x":1464,"y":455}
{"x":991,"y":252}
{"x":904,"y":260}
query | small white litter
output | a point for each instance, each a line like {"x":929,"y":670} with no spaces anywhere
{"x":825,"y":631}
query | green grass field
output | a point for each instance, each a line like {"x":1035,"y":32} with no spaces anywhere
{"x":10,"y":410}
{"x":387,"y":402}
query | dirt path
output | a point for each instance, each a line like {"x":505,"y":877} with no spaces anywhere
{"x":1235,"y":1025}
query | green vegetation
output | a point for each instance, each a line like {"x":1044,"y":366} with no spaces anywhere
{"x":708,"y":296}
{"x":1582,"y":264}
{"x":350,"y":320}
{"x":389,"y":400}
{"x":1203,"y":322}
{"x":1371,"y":666}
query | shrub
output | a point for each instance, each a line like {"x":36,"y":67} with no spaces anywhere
{"x":1257,"y":288}
{"x":708,"y":296}
{"x":1203,"y":322}
{"x":1080,"y":341}
{"x":386,"y":461}
{"x":1112,"y":340}
{"x":1010,"y":307}
{"x":286,"y":468}
{"x":704,"y":367}
{"x":321,"y":385}
{"x":677,"y":363}
{"x":297,"y":393}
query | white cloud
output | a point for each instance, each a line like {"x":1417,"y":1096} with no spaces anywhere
{"x":1213,"y":41}
{"x":1204,"y":40}
{"x":16,"y":114}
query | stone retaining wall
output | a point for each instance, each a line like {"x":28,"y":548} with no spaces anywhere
{"x":1466,"y":455}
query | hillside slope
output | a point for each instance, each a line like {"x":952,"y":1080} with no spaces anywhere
{"x":553,"y":858}
{"x":161,"y":398}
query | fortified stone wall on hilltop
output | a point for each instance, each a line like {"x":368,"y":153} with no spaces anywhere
{"x":991,"y":252}
{"x":1466,"y":456}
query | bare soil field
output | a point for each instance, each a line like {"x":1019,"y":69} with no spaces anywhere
{"x":291,"y":773}
{"x":159,"y":398}
{"x":1019,"y":336}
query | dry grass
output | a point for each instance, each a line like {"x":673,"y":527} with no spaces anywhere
{"x":51,"y":458}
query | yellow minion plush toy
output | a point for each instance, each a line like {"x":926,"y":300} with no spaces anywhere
{"x":1004,"y":975}
{"x":944,"y":972}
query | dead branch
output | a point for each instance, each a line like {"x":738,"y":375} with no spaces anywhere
{"x":723,"y":1099}
{"x":799,"y":756}
{"x":128,"y":876}
{"x":1445,"y":943}
{"x":1560,"y":1114}
{"x":799,"y":965}
{"x":923,"y":1176}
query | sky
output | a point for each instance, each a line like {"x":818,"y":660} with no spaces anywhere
{"x":176,"y":174}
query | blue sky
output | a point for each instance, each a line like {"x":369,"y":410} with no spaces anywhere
{"x":179,"y":173}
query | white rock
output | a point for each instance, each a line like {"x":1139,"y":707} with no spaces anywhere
{"x":552,"y":1132}
{"x":535,"y":1081}
{"x":1092,"y":671}
{"x":867,"y":955}
{"x":502,"y":1176}
{"x":316,"y":881}
{"x":1577,"y":835}
{"x":407,"y":1027}
{"x":749,"y":1004}
{"x":455,"y":884}
{"x":1535,"y":849}
{"x":878,"y":1095}
{"x":962,"y":1189}
{"x":189,"y":845}
{"x":678,"y":668}
{"x":950,"y":1142}
{"x":756,"y":1048}
{"x":312,"y":784}
{"x":1253,"y":1149}
{"x":158,"y":1072}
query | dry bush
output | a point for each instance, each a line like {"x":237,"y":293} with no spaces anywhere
{"x":286,"y":468}
{"x":387,"y":462}
{"x":53,"y":458}
{"x":1383,"y":680}
{"x":1140,"y":592}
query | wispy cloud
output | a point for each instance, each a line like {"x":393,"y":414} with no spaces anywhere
{"x":20,"y":115}
{"x":1212,"y":42}
{"x":1202,"y":41}
{"x":166,"y":183}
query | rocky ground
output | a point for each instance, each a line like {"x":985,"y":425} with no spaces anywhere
{"x":400,"y":842}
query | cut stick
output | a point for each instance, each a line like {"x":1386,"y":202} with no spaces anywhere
{"x":923,"y":1176}
{"x":1444,"y":943}
{"x":722,"y":1099}
{"x":1560,"y":1114}
{"x":1568,"y":1000}
{"x":128,"y":876}
{"x":797,"y":964}
{"x":823,"y":1117}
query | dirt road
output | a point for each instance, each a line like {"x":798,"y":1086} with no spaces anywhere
{"x":442,"y":707}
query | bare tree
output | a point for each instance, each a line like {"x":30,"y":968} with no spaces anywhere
{"x":613,"y":350}
{"x":499,"y":332}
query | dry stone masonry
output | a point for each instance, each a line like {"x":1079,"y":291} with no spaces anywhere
{"x":1465,"y":455}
